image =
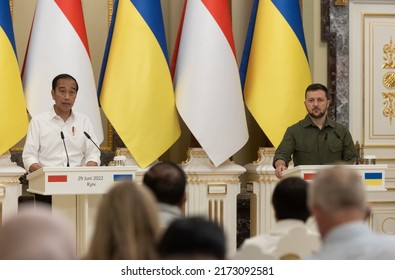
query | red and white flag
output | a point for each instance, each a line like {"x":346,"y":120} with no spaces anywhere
{"x":207,"y":82}
{"x":59,"y":44}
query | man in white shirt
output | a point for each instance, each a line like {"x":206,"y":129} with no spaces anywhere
{"x":337,"y":200}
{"x":289,"y":200}
{"x":57,"y":138}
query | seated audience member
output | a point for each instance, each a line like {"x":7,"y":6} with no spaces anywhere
{"x":337,"y":200}
{"x":127,"y":225}
{"x":193,"y":238}
{"x":36,"y":234}
{"x":289,"y":200}
{"x":167,"y":181}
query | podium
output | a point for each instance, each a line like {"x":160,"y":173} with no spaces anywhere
{"x":372,"y":175}
{"x":76,"y":194}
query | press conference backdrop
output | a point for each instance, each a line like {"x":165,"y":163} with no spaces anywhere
{"x":97,"y":17}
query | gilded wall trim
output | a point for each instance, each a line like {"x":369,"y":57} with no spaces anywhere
{"x":12,"y":7}
{"x":378,"y":64}
{"x":110,"y":128}
{"x":341,"y":2}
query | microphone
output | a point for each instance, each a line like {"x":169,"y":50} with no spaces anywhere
{"x":89,"y":137}
{"x":347,"y":148}
{"x":65,"y":149}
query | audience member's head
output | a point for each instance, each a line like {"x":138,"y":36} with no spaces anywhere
{"x":193,"y":238}
{"x":126,"y":225}
{"x":337,"y":196}
{"x":36,"y":234}
{"x":167,"y":181}
{"x":289,"y":199}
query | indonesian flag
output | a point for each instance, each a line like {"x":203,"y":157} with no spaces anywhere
{"x":59,"y":44}
{"x":207,"y":82}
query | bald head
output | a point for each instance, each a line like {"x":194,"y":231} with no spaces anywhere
{"x":36,"y":234}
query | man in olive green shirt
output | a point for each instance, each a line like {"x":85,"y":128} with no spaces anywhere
{"x":316,"y":139}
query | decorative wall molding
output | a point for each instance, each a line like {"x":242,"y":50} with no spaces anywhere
{"x":341,"y":2}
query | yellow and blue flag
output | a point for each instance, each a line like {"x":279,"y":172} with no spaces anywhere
{"x":275,"y":70}
{"x":373,"y":178}
{"x":13,"y":115}
{"x":136,"y":89}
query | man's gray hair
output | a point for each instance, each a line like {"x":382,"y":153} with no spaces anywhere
{"x":337,"y":188}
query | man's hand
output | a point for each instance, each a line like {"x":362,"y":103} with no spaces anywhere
{"x":35,"y":166}
{"x":280,"y":167}
{"x":91,"y":163}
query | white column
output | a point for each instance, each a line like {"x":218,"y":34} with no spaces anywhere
{"x":10,"y":186}
{"x":261,"y":181}
{"x":212,"y":192}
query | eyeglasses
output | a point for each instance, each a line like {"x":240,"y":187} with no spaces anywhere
{"x":63,"y":92}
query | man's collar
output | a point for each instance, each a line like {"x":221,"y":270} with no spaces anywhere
{"x":307,"y":121}
{"x":52,"y":113}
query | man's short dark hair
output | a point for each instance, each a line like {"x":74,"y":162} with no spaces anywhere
{"x":314,"y":87}
{"x":193,"y":238}
{"x":289,"y":199}
{"x":63,"y":76}
{"x":167,"y":181}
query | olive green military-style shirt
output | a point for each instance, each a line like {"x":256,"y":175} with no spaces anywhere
{"x":309,"y":145}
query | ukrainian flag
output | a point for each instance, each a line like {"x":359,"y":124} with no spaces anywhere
{"x":277,"y":71}
{"x":136,"y":90}
{"x":373,"y":178}
{"x":13,"y":115}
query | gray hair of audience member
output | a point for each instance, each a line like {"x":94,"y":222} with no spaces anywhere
{"x":167,"y":181}
{"x":337,"y":189}
{"x":36,"y":234}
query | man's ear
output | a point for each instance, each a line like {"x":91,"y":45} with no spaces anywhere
{"x":182,"y":202}
{"x":368,"y":211}
{"x":315,"y":210}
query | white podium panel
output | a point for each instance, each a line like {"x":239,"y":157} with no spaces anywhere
{"x":372,"y":175}
{"x":77,"y":192}
{"x":77,"y":180}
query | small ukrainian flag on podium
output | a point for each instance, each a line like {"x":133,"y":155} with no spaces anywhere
{"x":373,"y":178}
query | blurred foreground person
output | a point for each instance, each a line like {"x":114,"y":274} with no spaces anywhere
{"x":127,"y":225}
{"x":337,"y":200}
{"x":289,"y":201}
{"x":168,"y":182}
{"x":36,"y":234}
{"x":193,"y":238}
